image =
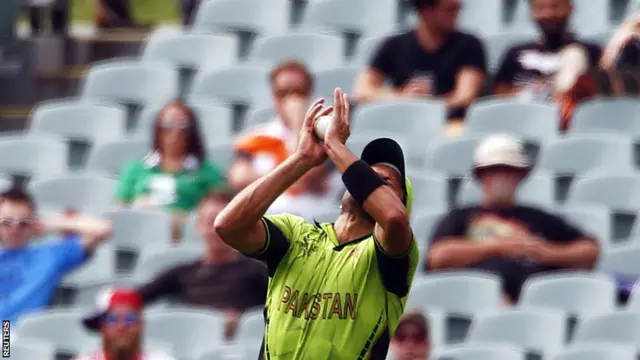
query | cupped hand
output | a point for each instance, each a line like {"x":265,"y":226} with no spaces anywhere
{"x":310,"y":148}
{"x":340,"y":128}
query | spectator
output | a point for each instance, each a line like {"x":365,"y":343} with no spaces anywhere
{"x":30,"y":273}
{"x":176,"y":175}
{"x":411,"y":339}
{"x":189,"y":8}
{"x":222,"y":280}
{"x":527,"y":69}
{"x":59,"y":10}
{"x":513,"y":241}
{"x":623,"y":51}
{"x":113,"y":14}
{"x":432,"y":60}
{"x":261,"y":149}
{"x":119,"y":320}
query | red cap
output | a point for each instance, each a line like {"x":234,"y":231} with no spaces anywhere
{"x":108,"y":299}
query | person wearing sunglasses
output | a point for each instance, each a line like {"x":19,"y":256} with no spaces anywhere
{"x":411,"y":340}
{"x":261,"y":148}
{"x":176,"y":174}
{"x":118,"y":318}
{"x":31,"y":272}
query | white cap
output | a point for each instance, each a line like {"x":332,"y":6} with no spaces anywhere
{"x":500,"y":150}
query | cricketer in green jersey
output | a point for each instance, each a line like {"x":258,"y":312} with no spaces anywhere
{"x":336,"y":290}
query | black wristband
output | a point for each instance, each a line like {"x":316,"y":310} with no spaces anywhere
{"x":361,"y":180}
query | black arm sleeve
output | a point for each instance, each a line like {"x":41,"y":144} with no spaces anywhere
{"x":275,"y":248}
{"x":165,"y":284}
{"x":475,"y":55}
{"x":394,"y":270}
{"x":561,"y":231}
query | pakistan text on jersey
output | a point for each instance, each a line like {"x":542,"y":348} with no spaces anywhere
{"x":319,"y":306}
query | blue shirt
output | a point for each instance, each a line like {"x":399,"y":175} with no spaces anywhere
{"x":29,"y":275}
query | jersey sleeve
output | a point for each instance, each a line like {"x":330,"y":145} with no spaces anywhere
{"x":397,"y":271}
{"x":69,"y":252}
{"x":125,"y":190}
{"x":281,"y":231}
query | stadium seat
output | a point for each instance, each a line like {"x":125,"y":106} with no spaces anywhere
{"x":111,"y":157}
{"x":5,"y":183}
{"x":351,"y":16}
{"x":617,"y":116}
{"x":152,"y":263}
{"x":535,"y":190}
{"x":31,"y":349}
{"x":479,"y":352}
{"x":593,"y":220}
{"x":357,"y":142}
{"x":621,"y":260}
{"x":617,"y":192}
{"x":459,"y":293}
{"x":621,"y":327}
{"x":204,"y":52}
{"x":222,"y":154}
{"x":47,"y":326}
{"x":87,"y":121}
{"x":539,"y":332}
{"x":496,"y":45}
{"x":327,"y":215}
{"x":232,"y":352}
{"x":600,"y":38}
{"x":252,"y":328}
{"x":424,"y":223}
{"x":9,"y":14}
{"x":326,"y":81}
{"x":246,"y":85}
{"x":367,"y":48}
{"x":481,"y":17}
{"x":191,"y":333}
{"x":260,"y":116}
{"x":134,"y":229}
{"x":632,"y":7}
{"x":131,"y":82}
{"x":577,"y":293}
{"x":453,"y":157}
{"x":215,"y":122}
{"x":429,"y":190}
{"x":84,"y":293}
{"x":84,"y":192}
{"x":528,"y":121}
{"x":251,"y":16}
{"x":598,"y":351}
{"x":317,"y":51}
{"x":36,"y":156}
{"x":100,"y":267}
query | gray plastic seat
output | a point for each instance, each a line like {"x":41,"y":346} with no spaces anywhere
{"x":215,"y":122}
{"x":191,"y":333}
{"x":530,"y":121}
{"x":578,"y":154}
{"x":260,"y":116}
{"x":253,"y":16}
{"x":535,"y":190}
{"x":316,"y":50}
{"x":539,"y":331}
{"x":232,"y":352}
{"x":47,"y":325}
{"x":423,"y":224}
{"x":577,"y":293}
{"x":340,"y":77}
{"x":594,"y":220}
{"x":617,"y":116}
{"x":601,"y":38}
{"x":621,"y":260}
{"x":252,"y":327}
{"x":598,"y":351}
{"x":80,"y":120}
{"x":621,"y":327}
{"x":193,"y":51}
{"x":351,"y":16}
{"x":617,"y":192}
{"x":482,"y":17}
{"x":85,"y":292}
{"x":111,"y":157}
{"x":84,"y":192}
{"x":243,"y":84}
{"x":479,"y":352}
{"x":366,"y":48}
{"x":496,"y":45}
{"x":131,"y":82}
{"x":99,"y":268}
{"x":158,"y":259}
{"x":327,"y":214}
{"x":134,"y":229}
{"x":222,"y":154}
{"x":31,"y":349}
{"x":453,"y":157}
{"x":37,"y":156}
{"x":460,"y":293}
{"x":429,"y":190}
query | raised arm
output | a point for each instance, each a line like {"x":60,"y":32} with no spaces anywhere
{"x":93,"y":230}
{"x":392,"y":229}
{"x":240,"y":224}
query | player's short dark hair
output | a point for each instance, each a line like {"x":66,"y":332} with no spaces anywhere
{"x":294,"y":65}
{"x":421,"y":4}
{"x":17,"y":194}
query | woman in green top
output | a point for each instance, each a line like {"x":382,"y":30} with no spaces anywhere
{"x":175,"y":175}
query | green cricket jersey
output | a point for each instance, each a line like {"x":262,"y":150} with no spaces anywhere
{"x":328,"y":301}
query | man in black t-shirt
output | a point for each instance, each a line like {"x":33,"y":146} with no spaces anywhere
{"x":223,"y":280}
{"x":527,"y":69}
{"x":501,"y":237}
{"x":431,"y":60}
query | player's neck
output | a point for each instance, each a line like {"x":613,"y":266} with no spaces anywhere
{"x":349,"y":226}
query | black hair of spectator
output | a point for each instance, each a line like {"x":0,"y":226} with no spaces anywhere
{"x":293,"y":65}
{"x":18,"y":194}
{"x":420,"y":4}
{"x":195,"y":144}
